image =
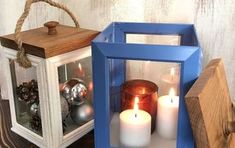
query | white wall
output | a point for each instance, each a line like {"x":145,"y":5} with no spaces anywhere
{"x":214,"y":20}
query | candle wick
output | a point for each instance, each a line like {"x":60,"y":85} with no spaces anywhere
{"x":171,"y":100}
{"x":135,"y":115}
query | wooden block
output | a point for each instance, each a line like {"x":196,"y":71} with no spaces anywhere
{"x":210,"y":108}
{"x":38,"y":42}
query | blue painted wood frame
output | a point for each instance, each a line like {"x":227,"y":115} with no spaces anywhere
{"x":109,"y":52}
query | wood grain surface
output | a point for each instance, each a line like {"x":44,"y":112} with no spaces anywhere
{"x":210,"y":108}
{"x":38,"y":42}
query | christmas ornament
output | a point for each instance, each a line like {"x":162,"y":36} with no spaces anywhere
{"x":64,"y":107}
{"x":34,"y":108}
{"x":82,"y":112}
{"x":74,"y":90}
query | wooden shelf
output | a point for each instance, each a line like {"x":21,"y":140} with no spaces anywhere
{"x":156,"y":140}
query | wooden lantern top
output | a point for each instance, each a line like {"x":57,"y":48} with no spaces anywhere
{"x":210,"y":109}
{"x":38,"y":42}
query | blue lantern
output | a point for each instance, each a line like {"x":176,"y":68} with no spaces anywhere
{"x":111,"y":55}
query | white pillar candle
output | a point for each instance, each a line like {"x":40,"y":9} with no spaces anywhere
{"x":167,"y":115}
{"x":135,"y":127}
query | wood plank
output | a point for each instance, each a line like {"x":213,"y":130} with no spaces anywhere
{"x":210,"y":108}
{"x":38,"y":42}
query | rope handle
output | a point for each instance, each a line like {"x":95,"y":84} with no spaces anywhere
{"x":21,"y":58}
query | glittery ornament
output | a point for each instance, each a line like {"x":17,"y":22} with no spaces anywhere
{"x":64,"y":108}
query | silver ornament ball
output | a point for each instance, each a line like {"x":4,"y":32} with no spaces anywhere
{"x":34,"y":109}
{"x":64,"y":108}
{"x":82,"y":112}
{"x":74,"y":90}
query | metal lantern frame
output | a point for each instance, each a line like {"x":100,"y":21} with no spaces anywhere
{"x":109,"y":52}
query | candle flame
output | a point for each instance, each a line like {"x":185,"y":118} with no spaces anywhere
{"x":172,"y":71}
{"x":80,"y":66}
{"x":136,"y":107}
{"x":172,"y":94}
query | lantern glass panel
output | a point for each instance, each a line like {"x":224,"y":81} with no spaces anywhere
{"x":26,"y":96}
{"x":76,"y":93}
{"x":149,"y":81}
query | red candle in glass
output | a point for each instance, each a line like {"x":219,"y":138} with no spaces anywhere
{"x":147,"y":93}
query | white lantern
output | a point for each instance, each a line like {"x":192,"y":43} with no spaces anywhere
{"x":51,"y":102}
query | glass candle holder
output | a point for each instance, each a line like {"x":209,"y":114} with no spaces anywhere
{"x":146,"y":91}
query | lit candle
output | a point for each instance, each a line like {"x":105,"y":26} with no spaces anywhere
{"x":147,"y":93}
{"x":135,"y":127}
{"x":167,"y":115}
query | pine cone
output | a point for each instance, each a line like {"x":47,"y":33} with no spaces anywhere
{"x":28,"y":92}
